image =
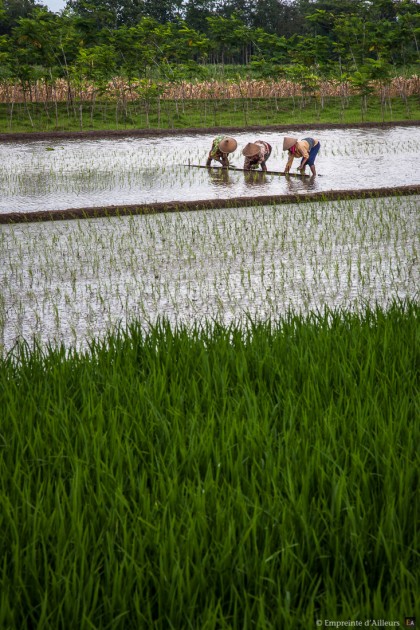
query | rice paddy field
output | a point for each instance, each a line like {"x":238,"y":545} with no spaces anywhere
{"x":217,"y":478}
{"x":61,"y":174}
{"x":68,"y":281}
{"x":209,"y":418}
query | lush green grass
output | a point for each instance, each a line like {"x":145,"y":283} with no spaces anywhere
{"x":200,"y":113}
{"x":213,"y":478}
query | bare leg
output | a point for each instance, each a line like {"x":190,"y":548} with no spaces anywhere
{"x":313,"y":169}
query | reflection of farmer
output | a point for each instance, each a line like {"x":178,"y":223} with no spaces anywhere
{"x":254,"y":178}
{"x":256,"y":153}
{"x":298,"y":184}
{"x":307,"y":149}
{"x":220,"y":177}
{"x":221,"y":147}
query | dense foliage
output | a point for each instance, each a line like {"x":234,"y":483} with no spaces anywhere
{"x":172,"y":39}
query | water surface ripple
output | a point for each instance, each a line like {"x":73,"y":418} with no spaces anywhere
{"x":69,"y":281}
{"x":61,"y":174}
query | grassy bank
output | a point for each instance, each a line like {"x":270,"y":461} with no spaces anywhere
{"x":168,"y":114}
{"x":213,"y":478}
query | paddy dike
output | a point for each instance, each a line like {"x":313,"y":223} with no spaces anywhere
{"x":156,"y":133}
{"x":207,"y":204}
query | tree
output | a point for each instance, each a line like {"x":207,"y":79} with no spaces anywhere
{"x":196,"y":13}
{"x":269,"y":47}
{"x":12,"y":10}
{"x":383,"y":10}
{"x":278,"y":17}
{"x":325,"y":9}
{"x":98,"y":15}
{"x":115,"y":13}
{"x":408,"y":30}
{"x":311,"y":51}
{"x":231,"y":38}
{"x":164,"y":10}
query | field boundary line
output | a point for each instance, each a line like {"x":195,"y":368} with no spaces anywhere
{"x":206,"y":204}
{"x":182,"y":131}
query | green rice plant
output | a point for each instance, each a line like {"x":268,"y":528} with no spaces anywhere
{"x":213,"y":476}
{"x":91,"y":275}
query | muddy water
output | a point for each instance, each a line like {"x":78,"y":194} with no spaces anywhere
{"x":57,"y":174}
{"x":69,"y":281}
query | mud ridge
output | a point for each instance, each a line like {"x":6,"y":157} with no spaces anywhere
{"x":152,"y":133}
{"x":206,"y":204}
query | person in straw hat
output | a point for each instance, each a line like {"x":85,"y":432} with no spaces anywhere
{"x":256,"y":153}
{"x":307,"y":149}
{"x":220,"y":149}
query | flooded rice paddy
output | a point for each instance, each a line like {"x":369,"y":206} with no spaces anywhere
{"x":70,"y":281}
{"x":55,"y":175}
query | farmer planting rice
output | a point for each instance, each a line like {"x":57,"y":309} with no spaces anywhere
{"x":307,"y":149}
{"x":220,"y":149}
{"x":256,"y":153}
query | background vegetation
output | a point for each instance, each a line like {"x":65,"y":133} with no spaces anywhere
{"x":117,"y":51}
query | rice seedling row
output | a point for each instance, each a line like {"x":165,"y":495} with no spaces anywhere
{"x":66,"y":282}
{"x":60,"y":174}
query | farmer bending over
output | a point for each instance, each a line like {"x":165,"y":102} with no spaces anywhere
{"x":256,"y":153}
{"x":221,"y":147}
{"x":307,"y":149}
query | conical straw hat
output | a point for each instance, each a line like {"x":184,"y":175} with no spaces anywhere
{"x":251,"y":149}
{"x":288,"y":142}
{"x":228,"y":145}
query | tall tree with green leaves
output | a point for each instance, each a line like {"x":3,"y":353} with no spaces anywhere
{"x":99,"y":14}
{"x":231,"y":38}
{"x":279,"y":17}
{"x":12,"y":10}
{"x":196,"y":13}
{"x":114,"y":13}
{"x":408,"y":31}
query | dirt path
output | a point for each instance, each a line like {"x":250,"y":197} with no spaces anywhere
{"x":150,"y":133}
{"x":206,"y":204}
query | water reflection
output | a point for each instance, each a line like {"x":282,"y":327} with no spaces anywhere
{"x":88,"y":173}
{"x":220,"y":177}
{"x":254,"y":179}
{"x":296,"y":185}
